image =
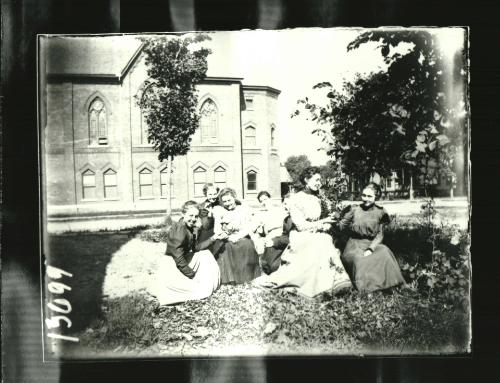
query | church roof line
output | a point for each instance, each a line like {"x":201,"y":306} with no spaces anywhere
{"x":262,"y":88}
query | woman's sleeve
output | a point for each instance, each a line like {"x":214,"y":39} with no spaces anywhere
{"x":175,"y":248}
{"x":217,"y":214}
{"x":346,"y":220}
{"x":246,"y":222}
{"x":384,"y":219}
{"x":299,"y":219}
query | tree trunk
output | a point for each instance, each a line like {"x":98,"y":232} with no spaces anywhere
{"x":170,"y":177}
{"x":411,"y":186}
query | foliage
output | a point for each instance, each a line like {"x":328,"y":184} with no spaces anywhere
{"x":154,"y":235}
{"x":408,"y":116}
{"x":124,"y":320}
{"x":169,"y":99}
{"x":334,"y":181}
{"x":295,"y":166}
{"x":431,"y":315}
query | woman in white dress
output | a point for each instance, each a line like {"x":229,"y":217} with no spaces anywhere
{"x":311,"y":263}
{"x":188,"y":271}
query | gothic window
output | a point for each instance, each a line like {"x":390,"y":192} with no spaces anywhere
{"x":145,"y":183}
{"x":220,"y":177}
{"x":110,"y":184}
{"x":98,"y":130}
{"x":209,"y":121}
{"x":88,"y":184}
{"x":199,"y":180}
{"x":251,"y":180}
{"x":250,"y":136}
{"x":147,"y":94}
{"x":164,"y":182}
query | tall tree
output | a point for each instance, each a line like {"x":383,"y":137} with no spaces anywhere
{"x":295,"y":166}
{"x":409,"y":116}
{"x":175,"y":64}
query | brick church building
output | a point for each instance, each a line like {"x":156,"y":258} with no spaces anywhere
{"x":94,"y":149}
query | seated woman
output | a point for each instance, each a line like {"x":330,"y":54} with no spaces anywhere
{"x":276,"y":239}
{"x":189,"y":272}
{"x":371,"y":264}
{"x":206,"y":229}
{"x":311,"y":262}
{"x":238,"y":261}
{"x":268,"y":221}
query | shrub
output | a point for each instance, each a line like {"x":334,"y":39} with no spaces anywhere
{"x":154,"y":235}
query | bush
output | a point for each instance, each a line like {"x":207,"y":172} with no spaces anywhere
{"x":435,"y":258}
{"x":154,"y":235}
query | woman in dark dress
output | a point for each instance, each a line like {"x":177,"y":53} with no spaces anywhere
{"x":206,"y":230}
{"x":275,"y":242}
{"x":189,"y":271}
{"x":238,"y":261}
{"x":371,"y":265}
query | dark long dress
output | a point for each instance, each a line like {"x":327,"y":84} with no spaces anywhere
{"x":207,"y":225}
{"x":238,"y":262}
{"x":379,"y":270}
{"x":271,"y":259}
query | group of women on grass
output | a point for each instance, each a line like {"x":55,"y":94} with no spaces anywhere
{"x":291,"y":247}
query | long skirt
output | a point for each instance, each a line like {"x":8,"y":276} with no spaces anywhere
{"x":238,"y":262}
{"x":311,"y":264}
{"x":171,"y":286}
{"x":377,"y":271}
{"x":270,"y":261}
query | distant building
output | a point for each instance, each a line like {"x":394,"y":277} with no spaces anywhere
{"x":96,"y":157}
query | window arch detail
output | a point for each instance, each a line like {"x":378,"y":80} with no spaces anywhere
{"x":148,"y":92}
{"x":250,"y":136}
{"x":209,"y":121}
{"x":164,"y":182}
{"x":110,"y":183}
{"x":220,"y":177}
{"x":146,"y":183}
{"x":88,"y":185}
{"x":273,"y":135}
{"x":98,"y":122}
{"x":251,"y":180}
{"x":199,"y":180}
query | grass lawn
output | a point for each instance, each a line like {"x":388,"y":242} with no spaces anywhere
{"x":113,"y":316}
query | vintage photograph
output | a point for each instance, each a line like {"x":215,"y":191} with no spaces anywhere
{"x":255,"y":193}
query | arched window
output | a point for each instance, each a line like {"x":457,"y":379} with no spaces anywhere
{"x":273,"y":131}
{"x":220,"y":177}
{"x":88,"y":184}
{"x":98,"y":130}
{"x":147,"y":94}
{"x":199,"y":180}
{"x":250,"y":136}
{"x":145,"y":183}
{"x":209,"y":121}
{"x":164,"y":182}
{"x":110,"y":184}
{"x":251,"y":180}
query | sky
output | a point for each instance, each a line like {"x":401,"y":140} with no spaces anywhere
{"x":293,"y":61}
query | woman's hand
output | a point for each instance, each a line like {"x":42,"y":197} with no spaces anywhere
{"x":269,"y":242}
{"x":326,"y":226}
{"x":233,"y":238}
{"x":221,"y":236}
{"x":367,"y":252}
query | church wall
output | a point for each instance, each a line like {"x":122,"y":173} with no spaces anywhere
{"x":57,"y":137}
{"x":70,"y":156}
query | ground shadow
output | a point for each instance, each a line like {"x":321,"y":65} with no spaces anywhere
{"x":86,"y":256}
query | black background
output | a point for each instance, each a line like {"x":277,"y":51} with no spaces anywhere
{"x":22,"y":20}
